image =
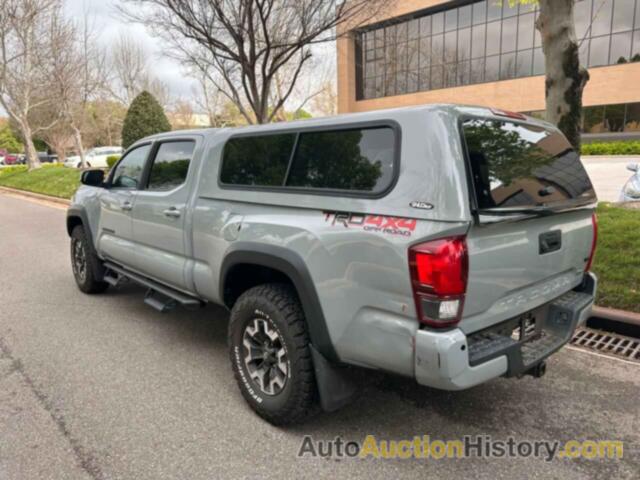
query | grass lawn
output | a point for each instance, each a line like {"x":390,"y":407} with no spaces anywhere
{"x":53,"y":180}
{"x":617,"y":261}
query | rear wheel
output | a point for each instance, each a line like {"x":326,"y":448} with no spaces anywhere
{"x":270,"y":355}
{"x":87,"y":267}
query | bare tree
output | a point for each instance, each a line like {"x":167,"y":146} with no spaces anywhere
{"x":77,"y":73}
{"x":131,"y":76}
{"x":248,"y":42}
{"x":24,"y":50}
{"x":209,"y":99}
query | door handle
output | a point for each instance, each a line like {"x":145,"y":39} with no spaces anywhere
{"x":172,"y":212}
{"x":126,"y":206}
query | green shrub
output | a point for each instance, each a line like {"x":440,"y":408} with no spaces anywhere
{"x":112,"y":159}
{"x":145,"y":117}
{"x":611,"y":148}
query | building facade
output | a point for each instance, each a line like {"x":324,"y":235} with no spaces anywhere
{"x":488,"y":52}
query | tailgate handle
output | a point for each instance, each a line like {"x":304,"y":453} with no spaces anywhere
{"x":550,"y":242}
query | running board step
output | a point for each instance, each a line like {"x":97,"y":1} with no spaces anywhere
{"x":113,"y":278}
{"x":159,"y":296}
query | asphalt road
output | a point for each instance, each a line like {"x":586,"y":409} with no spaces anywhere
{"x":103,"y":387}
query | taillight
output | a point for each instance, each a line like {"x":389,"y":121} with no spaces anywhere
{"x":439,"y":272}
{"x":594,"y":242}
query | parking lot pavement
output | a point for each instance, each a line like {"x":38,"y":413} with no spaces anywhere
{"x":609,"y":175}
{"x":103,"y":387}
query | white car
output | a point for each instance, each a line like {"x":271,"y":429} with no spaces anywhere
{"x":96,"y":157}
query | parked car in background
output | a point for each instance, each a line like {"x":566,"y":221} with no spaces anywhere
{"x":631,"y":190}
{"x":96,"y":157}
{"x":11,"y":159}
{"x":45,"y":157}
{"x":3,"y":154}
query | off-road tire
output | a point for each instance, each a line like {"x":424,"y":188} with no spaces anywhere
{"x":279,"y":305}
{"x":91,"y":280}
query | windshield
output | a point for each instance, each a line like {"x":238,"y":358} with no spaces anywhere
{"x":517,"y":166}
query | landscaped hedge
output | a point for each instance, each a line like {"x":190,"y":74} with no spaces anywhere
{"x":112,"y":159}
{"x":611,"y":148}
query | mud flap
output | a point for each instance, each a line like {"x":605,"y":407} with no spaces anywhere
{"x":335,"y":385}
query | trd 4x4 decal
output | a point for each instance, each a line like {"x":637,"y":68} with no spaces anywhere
{"x":372,"y":223}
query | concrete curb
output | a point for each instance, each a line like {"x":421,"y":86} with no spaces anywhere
{"x":37,"y":196}
{"x":616,"y":315}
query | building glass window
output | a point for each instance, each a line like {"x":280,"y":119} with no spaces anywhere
{"x":485,"y":41}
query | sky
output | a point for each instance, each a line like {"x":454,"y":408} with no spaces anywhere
{"x":105,"y":18}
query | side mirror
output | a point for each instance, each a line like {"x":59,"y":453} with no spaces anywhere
{"x":633,"y":167}
{"x":92,"y":178}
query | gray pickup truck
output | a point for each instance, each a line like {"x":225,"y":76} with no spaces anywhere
{"x":449,"y":244}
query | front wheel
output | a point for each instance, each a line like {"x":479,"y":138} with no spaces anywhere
{"x":87,"y":268}
{"x":270,"y":355}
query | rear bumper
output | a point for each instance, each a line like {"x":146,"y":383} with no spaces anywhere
{"x":454,"y":361}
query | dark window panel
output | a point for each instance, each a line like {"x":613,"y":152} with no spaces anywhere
{"x":593,"y":119}
{"x":582,"y":17}
{"x":464,"y":73}
{"x":479,"y":12}
{"x":635,"y":48}
{"x":390,"y":35}
{"x":380,"y":86}
{"x":413,"y":54}
{"x":380,"y":38}
{"x":538,"y":62}
{"x":425,"y":52}
{"x":477,"y":70}
{"x":632,"y":123}
{"x":623,"y":15}
{"x":602,"y":22}
{"x":450,"y":75}
{"x":401,"y":83}
{"x":369,"y":87}
{"x":537,"y":40}
{"x":637,"y":22}
{"x":437,"y":49}
{"x":171,"y":165}
{"x":620,"y":48}
{"x":509,"y":10}
{"x":425,"y":79}
{"x":451,"y":19}
{"x":509,"y":33}
{"x":464,"y":16}
{"x":390,"y":84}
{"x":401,"y":32}
{"x":614,"y":118}
{"x":359,"y":160}
{"x":526,"y":27}
{"x":478,"y":38}
{"x":370,"y":55}
{"x":437,"y":23}
{"x":260,"y":160}
{"x":524,"y":63}
{"x":437,"y":77}
{"x":464,"y":44}
{"x":492,"y":68}
{"x":369,"y":69}
{"x":425,"y":26}
{"x":402,"y":62}
{"x":414,"y":29}
{"x":599,"y":51}
{"x":450,"y":46}
{"x":369,"y":40}
{"x":412,"y":82}
{"x":507,"y":66}
{"x":583,"y":52}
{"x":493,"y":38}
{"x":494,"y":10}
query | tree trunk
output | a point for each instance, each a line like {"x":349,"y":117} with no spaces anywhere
{"x":566,"y":79}
{"x":29,"y":148}
{"x":77,"y":140}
